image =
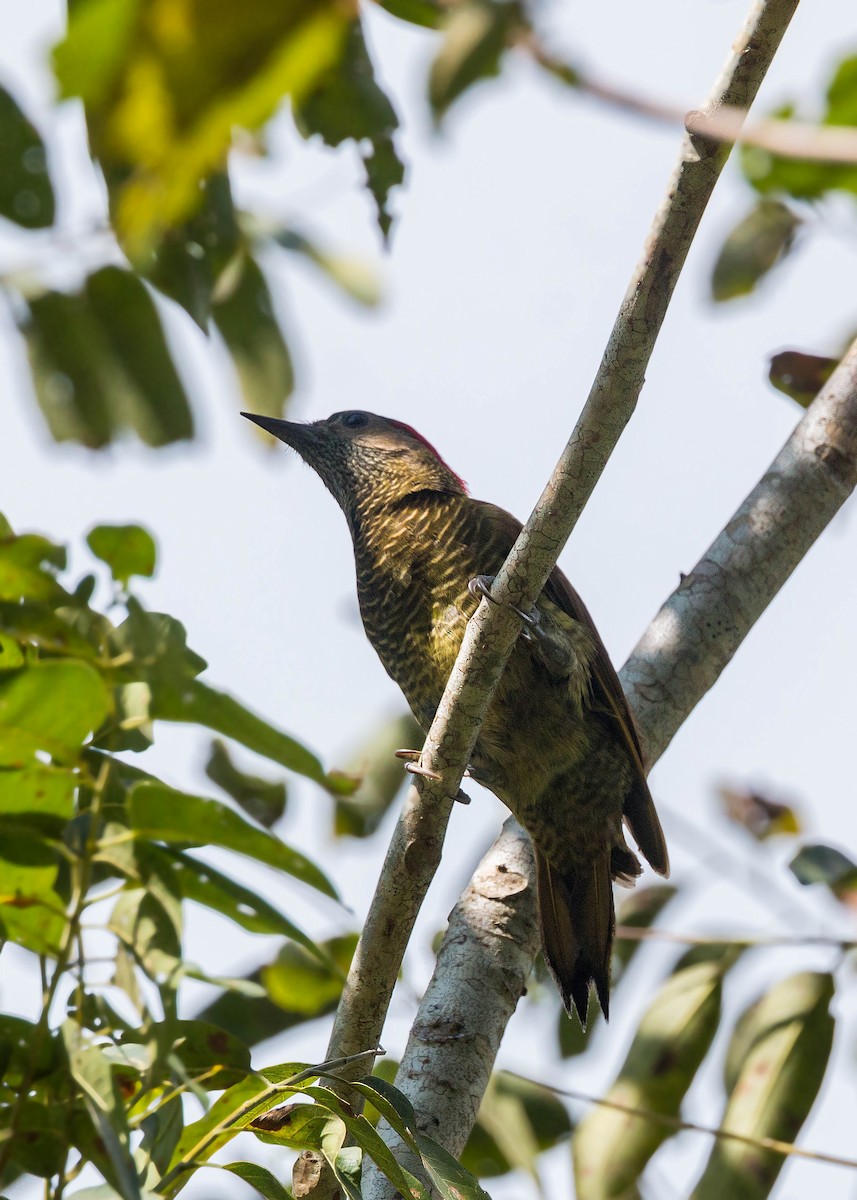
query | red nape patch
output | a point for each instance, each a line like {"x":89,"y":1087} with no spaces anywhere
{"x":418,"y":437}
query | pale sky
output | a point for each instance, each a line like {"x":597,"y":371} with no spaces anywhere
{"x":518,"y":230}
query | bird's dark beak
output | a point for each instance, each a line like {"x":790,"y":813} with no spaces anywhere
{"x":302,"y":437}
{"x":284,"y":430}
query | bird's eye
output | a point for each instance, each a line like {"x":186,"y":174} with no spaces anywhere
{"x":355,"y":420}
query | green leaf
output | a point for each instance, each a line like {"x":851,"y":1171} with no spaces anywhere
{"x":78,"y":385}
{"x":159,"y":411}
{"x":825,"y":864}
{"x":298,"y":982}
{"x":810,"y":179}
{"x":160,"y":812}
{"x":51,"y":706}
{"x":349,"y":103}
{"x":476,"y":35}
{"x":755,"y":246}
{"x":11,"y":654}
{"x":778,"y":1060}
{"x":260,"y":1179}
{"x":198,"y":881}
{"x":610,"y":1147}
{"x":27,"y":1052}
{"x":300,"y":1126}
{"x":200,"y":1047}
{"x":202,"y":705}
{"x":517,"y":1120}
{"x":39,"y":1144}
{"x":39,"y":796}
{"x":91,"y":1070}
{"x":799,"y":375}
{"x":425,"y":13}
{"x":638,"y":909}
{"x":170,"y":93}
{"x":127,"y":549}
{"x":262,"y":799}
{"x":249,"y":326}
{"x":26,"y":194}
{"x":28,"y":567}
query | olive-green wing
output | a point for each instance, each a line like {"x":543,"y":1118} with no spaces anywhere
{"x":607,"y":696}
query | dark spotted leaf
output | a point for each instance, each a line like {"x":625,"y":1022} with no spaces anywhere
{"x":799,"y":375}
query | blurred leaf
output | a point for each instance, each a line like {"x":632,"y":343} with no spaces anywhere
{"x":151,"y":931}
{"x":39,"y":1143}
{"x":354,"y":276}
{"x":818,"y":863}
{"x":299,"y":983}
{"x":31,"y":911}
{"x":101,"y":363}
{"x":382,"y":777}
{"x":200,"y":1046}
{"x":26,"y":1052}
{"x":192,"y":259}
{"x":262,"y":799}
{"x":78,"y":386}
{"x":761,"y":817}
{"x":202,"y":705}
{"x":801,"y":376}
{"x":260,"y":1179}
{"x":384,"y":171}
{"x":757,"y":243}
{"x":777,"y":1060}
{"x":28,"y":567}
{"x":611,"y":1148}
{"x":199,"y":881}
{"x":91,"y":1070}
{"x":348,"y":103}
{"x":38,"y":795}
{"x":170,"y":91}
{"x":809,"y":179}
{"x":26,"y":194}
{"x":50,"y":706}
{"x":11,"y":654}
{"x":425,"y":13}
{"x":160,"y":812}
{"x":159,"y":411}
{"x":127,"y":549}
{"x":475,"y":36}
{"x":517,"y":1120}
{"x":249,"y":326}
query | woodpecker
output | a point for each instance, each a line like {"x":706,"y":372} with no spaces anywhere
{"x":559,"y":745}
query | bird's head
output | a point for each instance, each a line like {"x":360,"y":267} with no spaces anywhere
{"x":366,"y":459}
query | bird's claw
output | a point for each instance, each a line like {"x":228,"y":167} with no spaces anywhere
{"x":481,"y":588}
{"x":412,"y":766}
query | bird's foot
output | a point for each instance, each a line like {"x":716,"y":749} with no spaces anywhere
{"x":413,"y":767}
{"x":481,"y":588}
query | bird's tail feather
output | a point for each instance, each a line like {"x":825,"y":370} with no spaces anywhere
{"x":577,"y":923}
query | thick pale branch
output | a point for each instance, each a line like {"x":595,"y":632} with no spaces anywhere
{"x":416,"y":846}
{"x":702,"y":624}
{"x":679,"y":657}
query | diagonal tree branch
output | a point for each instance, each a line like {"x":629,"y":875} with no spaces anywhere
{"x":679,"y":657}
{"x":415,"y":849}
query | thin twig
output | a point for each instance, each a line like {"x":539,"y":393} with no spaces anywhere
{"x":635,"y":933}
{"x":787,"y":1149}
